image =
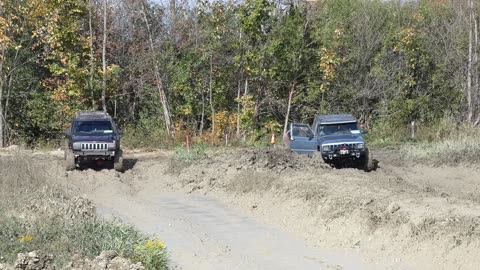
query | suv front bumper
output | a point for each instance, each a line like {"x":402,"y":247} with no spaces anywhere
{"x":94,"y":154}
{"x":352,"y":155}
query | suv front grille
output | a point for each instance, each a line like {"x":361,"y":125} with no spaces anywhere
{"x":94,"y":146}
{"x":333,"y":147}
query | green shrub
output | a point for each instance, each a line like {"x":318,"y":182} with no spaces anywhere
{"x":152,"y":254}
{"x":196,"y":151}
{"x":148,"y":133}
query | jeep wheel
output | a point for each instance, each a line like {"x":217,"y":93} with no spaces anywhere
{"x":65,"y":149}
{"x":70,"y":162}
{"x":118,"y":161}
{"x":368,"y":163}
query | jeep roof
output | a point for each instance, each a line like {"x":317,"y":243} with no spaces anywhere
{"x":92,"y":116}
{"x":335,"y":118}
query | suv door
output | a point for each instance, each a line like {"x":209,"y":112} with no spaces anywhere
{"x":302,"y":139}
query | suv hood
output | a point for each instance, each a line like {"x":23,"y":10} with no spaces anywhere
{"x":93,"y":137}
{"x":341,"y":138}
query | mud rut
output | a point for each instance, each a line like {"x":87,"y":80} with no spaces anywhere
{"x":256,"y":210}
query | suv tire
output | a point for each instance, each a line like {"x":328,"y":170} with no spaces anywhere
{"x":118,"y":161}
{"x":368,"y":163}
{"x":70,"y":163}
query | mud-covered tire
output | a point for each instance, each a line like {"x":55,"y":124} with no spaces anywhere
{"x":70,"y":163}
{"x":118,"y":161}
{"x":65,"y":149}
{"x":369,"y":165}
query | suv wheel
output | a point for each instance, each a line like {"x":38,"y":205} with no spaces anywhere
{"x":368,"y":163}
{"x":65,"y":148}
{"x":118,"y":161}
{"x":70,"y":162}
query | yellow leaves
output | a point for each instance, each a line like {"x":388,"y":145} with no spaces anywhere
{"x":329,"y":60}
{"x":4,"y":39}
{"x":152,"y":245}
{"x":25,"y":238}
{"x":223,"y":122}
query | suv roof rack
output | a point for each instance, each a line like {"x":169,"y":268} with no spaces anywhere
{"x":92,"y":115}
{"x":335,"y":118}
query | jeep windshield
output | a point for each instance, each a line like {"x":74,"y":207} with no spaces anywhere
{"x":92,"y":127}
{"x":338,"y":128}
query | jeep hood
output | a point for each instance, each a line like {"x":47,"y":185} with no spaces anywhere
{"x":95,"y":137}
{"x":341,"y":138}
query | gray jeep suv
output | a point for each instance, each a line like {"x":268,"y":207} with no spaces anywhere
{"x":337,"y":137}
{"x":93,"y":136}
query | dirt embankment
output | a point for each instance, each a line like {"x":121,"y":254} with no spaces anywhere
{"x":418,"y":217}
{"x":402,"y":216}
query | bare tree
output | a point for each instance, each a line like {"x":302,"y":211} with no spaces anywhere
{"x":2,"y":83}
{"x":158,"y":78}
{"x":104,"y":60}
{"x":92,"y":61}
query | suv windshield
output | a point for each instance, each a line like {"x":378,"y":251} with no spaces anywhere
{"x":92,"y":127}
{"x":340,"y":128}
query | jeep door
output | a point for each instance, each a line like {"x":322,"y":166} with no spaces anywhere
{"x":302,"y":139}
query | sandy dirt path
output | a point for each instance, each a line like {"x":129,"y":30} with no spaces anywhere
{"x":203,"y":233}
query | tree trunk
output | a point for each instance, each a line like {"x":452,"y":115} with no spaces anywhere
{"x":104,"y":50}
{"x":238,"y":107}
{"x":92,"y":63}
{"x":202,"y":123}
{"x":158,"y":78}
{"x":476,"y":89}
{"x":2,"y":81}
{"x":290,"y":95}
{"x":173,"y":18}
{"x":7,"y":101}
{"x":211,"y":94}
{"x":470,"y":66}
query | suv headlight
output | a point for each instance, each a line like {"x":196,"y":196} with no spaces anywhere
{"x":77,"y":146}
{"x":360,"y":145}
{"x":112,"y":145}
{"x":325,"y":148}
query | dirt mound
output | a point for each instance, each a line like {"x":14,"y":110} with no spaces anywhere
{"x":31,"y":261}
{"x":279,"y":160}
{"x":36,"y":260}
{"x":106,"y":260}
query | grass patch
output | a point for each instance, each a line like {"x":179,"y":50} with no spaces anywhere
{"x":459,"y":147}
{"x":196,"y":151}
{"x":34,"y":215}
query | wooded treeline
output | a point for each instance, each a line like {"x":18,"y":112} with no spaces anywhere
{"x":215,"y":67}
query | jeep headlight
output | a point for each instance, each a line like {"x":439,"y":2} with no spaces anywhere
{"x":360,"y":145}
{"x":112,"y":146}
{"x":325,"y":148}
{"x":77,"y":146}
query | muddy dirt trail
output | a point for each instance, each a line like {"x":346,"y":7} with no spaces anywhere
{"x":274,"y":210}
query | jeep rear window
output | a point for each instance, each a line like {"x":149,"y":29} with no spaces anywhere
{"x":92,"y":127}
{"x":339,"y":128}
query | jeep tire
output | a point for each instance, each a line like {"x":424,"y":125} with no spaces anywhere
{"x":70,"y":162}
{"x":368,"y":165}
{"x":118,"y":161}
{"x":65,"y":148}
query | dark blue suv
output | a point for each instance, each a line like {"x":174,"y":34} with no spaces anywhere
{"x":93,"y":136}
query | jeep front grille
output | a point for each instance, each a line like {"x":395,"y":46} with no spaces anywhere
{"x":94,"y":146}
{"x":333,"y":147}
